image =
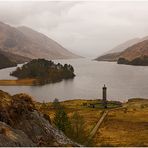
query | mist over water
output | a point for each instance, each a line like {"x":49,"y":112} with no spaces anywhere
{"x":122,"y":81}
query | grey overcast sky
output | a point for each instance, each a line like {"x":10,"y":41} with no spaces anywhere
{"x":88,"y":28}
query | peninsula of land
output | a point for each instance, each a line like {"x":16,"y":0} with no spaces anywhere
{"x":40,"y":72}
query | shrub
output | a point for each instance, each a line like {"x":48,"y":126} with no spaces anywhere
{"x":22,"y":103}
{"x":56,"y":104}
{"x":78,"y":128}
{"x":61,"y":120}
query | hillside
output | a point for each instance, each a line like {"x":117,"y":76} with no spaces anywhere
{"x":21,"y":124}
{"x":14,"y":57}
{"x":25,"y":122}
{"x":8,"y":59}
{"x":31,"y":44}
{"x":110,"y":57}
{"x":5,"y":62}
{"x":47,"y":45}
{"x":121,"y":47}
{"x":135,"y":55}
{"x":114,"y":54}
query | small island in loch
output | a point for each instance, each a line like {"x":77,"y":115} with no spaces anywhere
{"x":39,"y":72}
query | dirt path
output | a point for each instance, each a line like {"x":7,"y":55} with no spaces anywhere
{"x":95,"y":129}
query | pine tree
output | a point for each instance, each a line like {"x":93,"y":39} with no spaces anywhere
{"x":77,"y":128}
{"x":61,"y":120}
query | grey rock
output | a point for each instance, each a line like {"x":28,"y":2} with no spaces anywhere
{"x":13,"y":137}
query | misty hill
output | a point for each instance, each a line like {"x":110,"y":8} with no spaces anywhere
{"x":121,"y":47}
{"x":135,"y":55}
{"x":5,"y":62}
{"x":47,"y":47}
{"x":8,"y":59}
{"x":14,"y":57}
{"x":26,"y":42}
{"x":113,"y":55}
{"x":110,"y":57}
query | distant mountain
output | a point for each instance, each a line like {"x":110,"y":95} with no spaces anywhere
{"x":121,"y":47}
{"x":110,"y":57}
{"x":26,"y":42}
{"x":114,"y":54}
{"x":9,"y":60}
{"x":46,"y":47}
{"x":135,"y":55}
{"x":14,"y":57}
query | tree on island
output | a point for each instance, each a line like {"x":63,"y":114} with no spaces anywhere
{"x":44,"y":70}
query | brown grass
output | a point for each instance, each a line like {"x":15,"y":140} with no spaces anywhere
{"x":125,"y":128}
{"x":27,"y":82}
{"x":90,"y":115}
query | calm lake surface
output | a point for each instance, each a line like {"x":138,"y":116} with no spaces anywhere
{"x":122,"y":81}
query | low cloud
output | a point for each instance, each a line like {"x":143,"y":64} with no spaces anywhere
{"x":86,"y":28}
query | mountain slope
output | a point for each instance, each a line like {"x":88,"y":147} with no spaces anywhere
{"x":8,"y":59}
{"x":29,"y":43}
{"x":121,"y":47}
{"x":110,"y":57}
{"x":135,"y":55}
{"x":14,"y":57}
{"x":5,"y":62}
{"x":52,"y":48}
{"x":114,"y":54}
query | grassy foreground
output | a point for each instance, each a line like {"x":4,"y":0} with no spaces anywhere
{"x":127,"y":126}
{"x":90,"y":115}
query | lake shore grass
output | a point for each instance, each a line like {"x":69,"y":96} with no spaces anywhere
{"x":18,"y":82}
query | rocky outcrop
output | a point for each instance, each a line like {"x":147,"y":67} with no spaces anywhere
{"x":13,"y":137}
{"x":19,"y":116}
{"x":41,"y":131}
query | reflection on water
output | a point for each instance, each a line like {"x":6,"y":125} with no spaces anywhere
{"x":123,"y":82}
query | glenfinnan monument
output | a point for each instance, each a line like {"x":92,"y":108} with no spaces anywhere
{"x":104,"y":99}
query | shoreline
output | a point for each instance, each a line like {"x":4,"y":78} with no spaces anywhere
{"x":19,"y":82}
{"x":28,"y":82}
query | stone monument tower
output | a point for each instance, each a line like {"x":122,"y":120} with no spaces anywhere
{"x":104,"y":99}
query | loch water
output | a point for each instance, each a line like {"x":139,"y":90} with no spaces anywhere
{"x":122,"y":81}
